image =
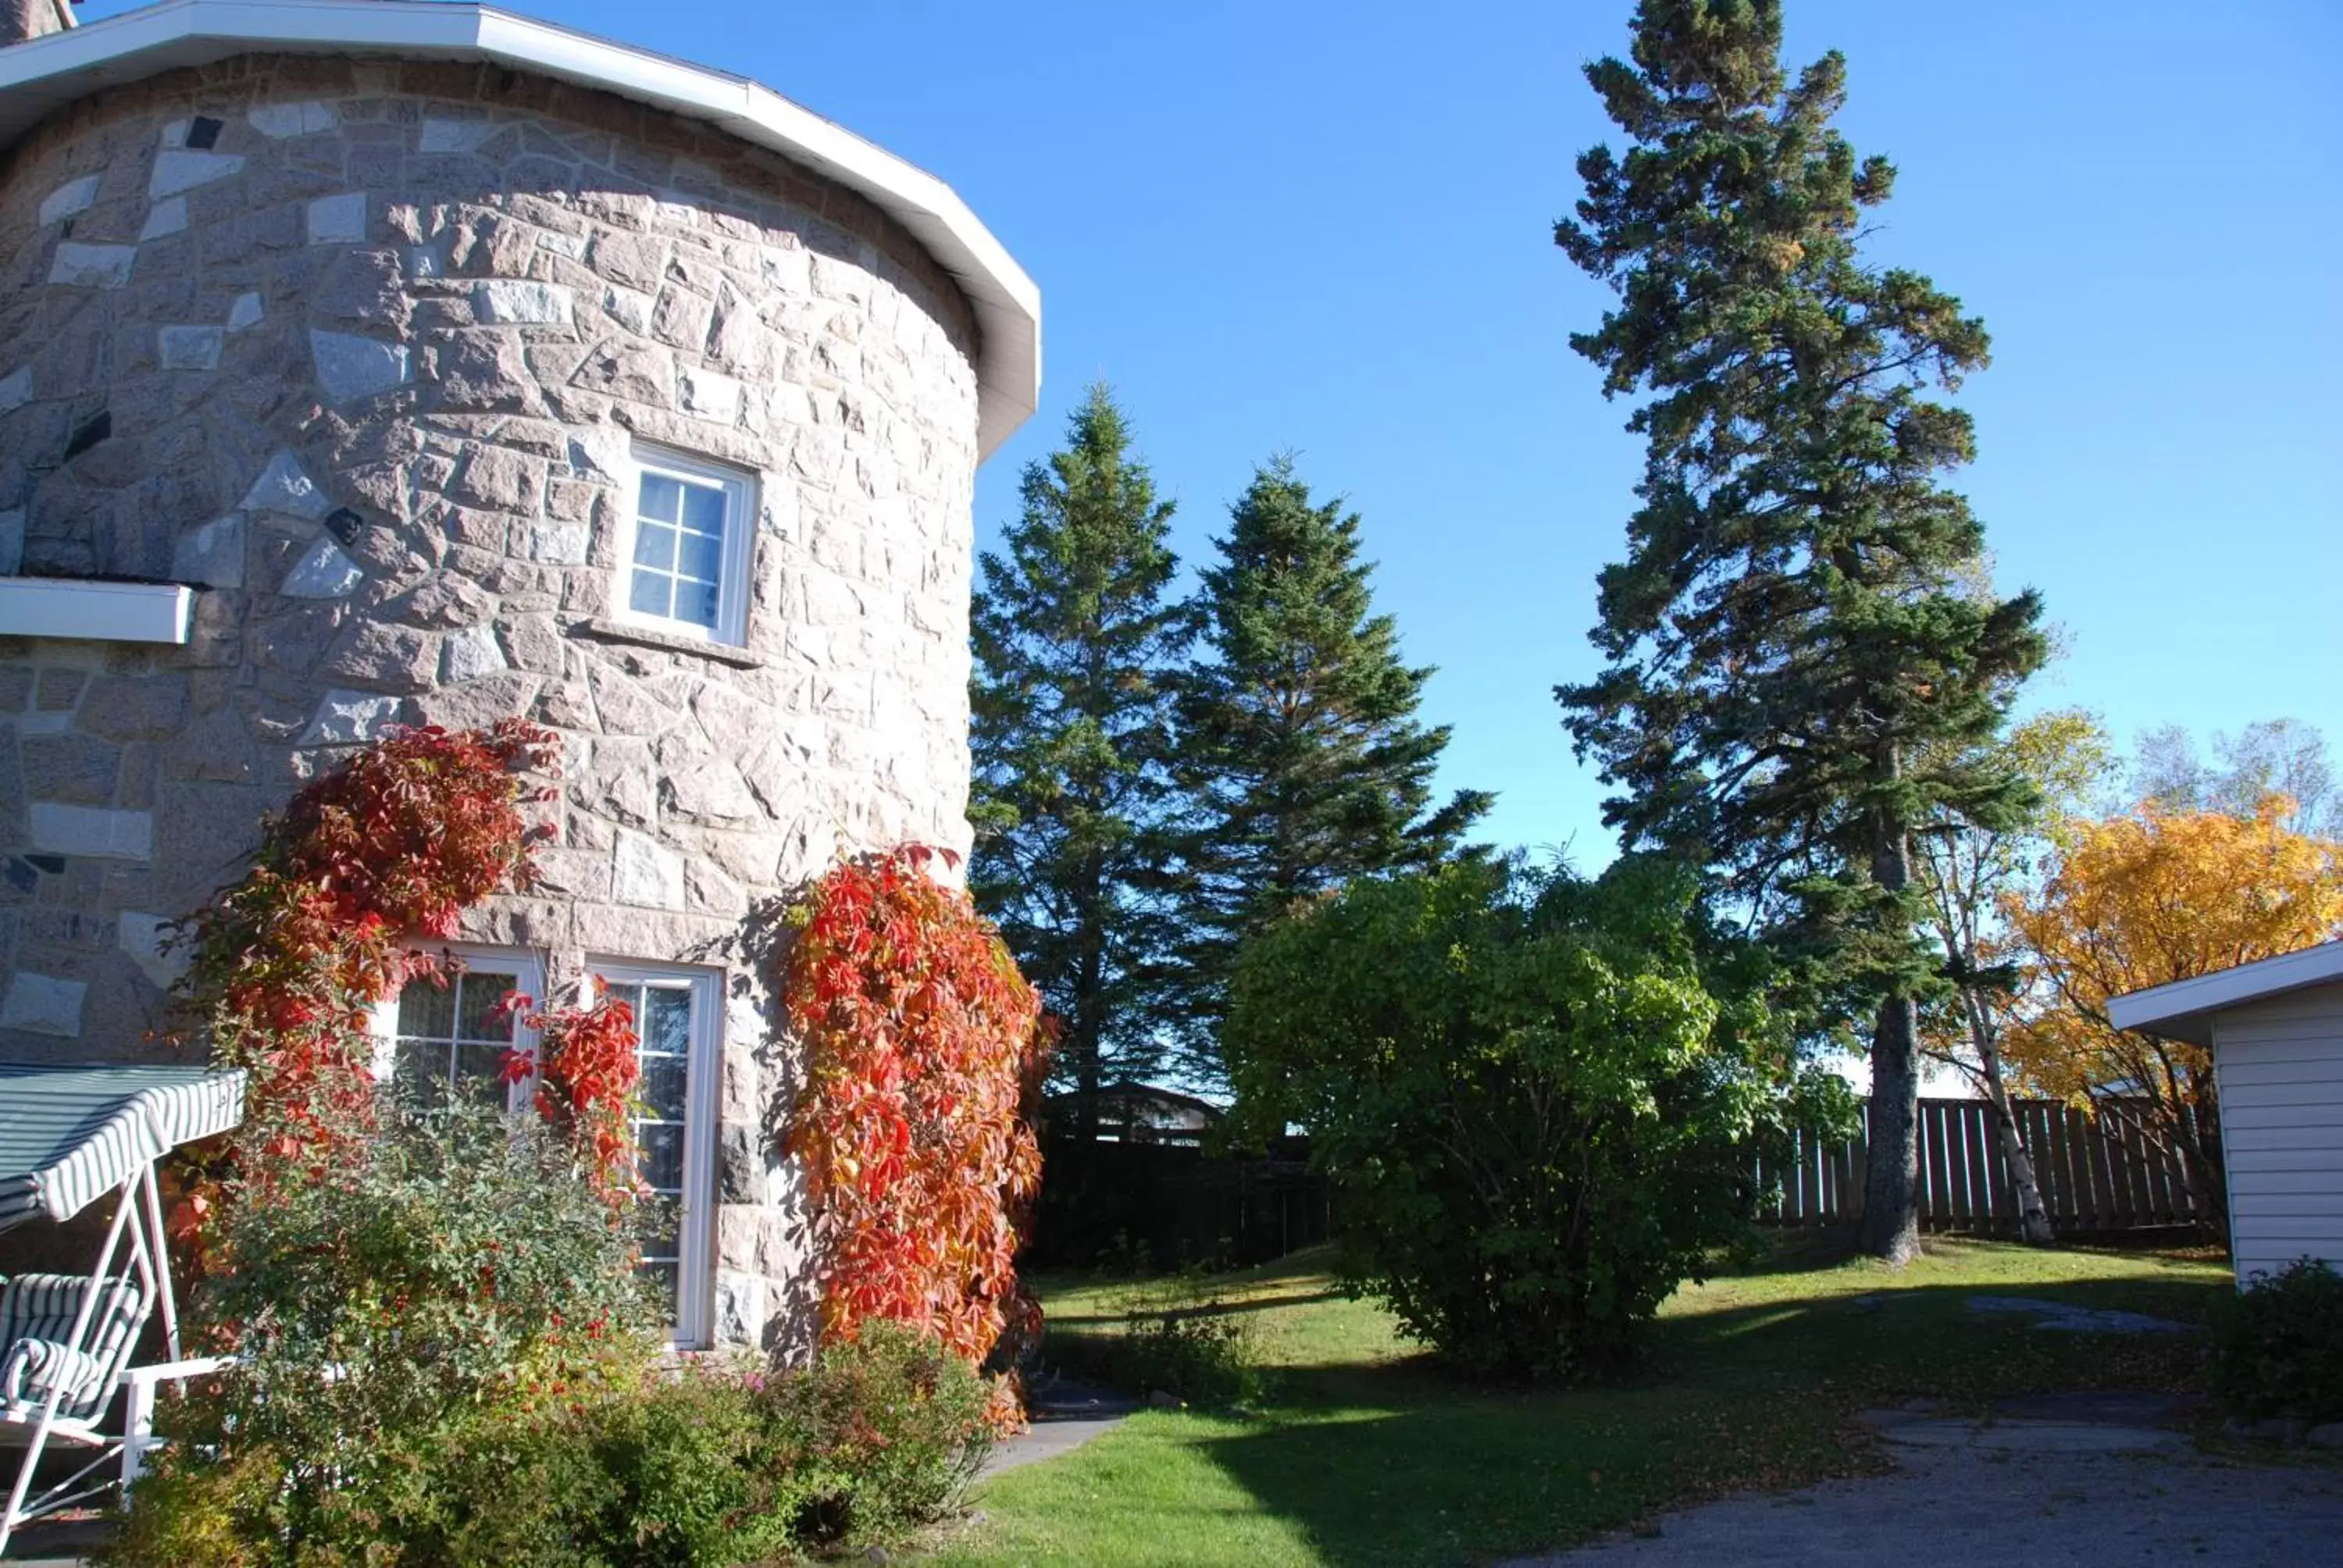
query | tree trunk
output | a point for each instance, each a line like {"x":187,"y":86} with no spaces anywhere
{"x":2033,"y":1217}
{"x":1890,"y":1209}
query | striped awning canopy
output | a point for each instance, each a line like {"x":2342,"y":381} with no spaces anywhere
{"x":71,"y":1134}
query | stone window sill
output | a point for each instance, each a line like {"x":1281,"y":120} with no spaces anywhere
{"x":604,"y":629}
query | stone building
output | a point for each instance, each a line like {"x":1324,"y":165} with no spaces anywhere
{"x":371,"y":361}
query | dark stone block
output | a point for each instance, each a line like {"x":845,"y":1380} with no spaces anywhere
{"x":204,"y":132}
{"x":21,"y":876}
{"x":345,"y":525}
{"x":91,"y":433}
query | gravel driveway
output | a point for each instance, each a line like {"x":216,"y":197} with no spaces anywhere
{"x":2055,"y":1486}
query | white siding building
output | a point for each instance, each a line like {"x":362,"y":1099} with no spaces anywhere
{"x":2276,"y":1031}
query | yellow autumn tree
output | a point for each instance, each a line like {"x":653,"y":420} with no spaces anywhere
{"x":2143,"y":899}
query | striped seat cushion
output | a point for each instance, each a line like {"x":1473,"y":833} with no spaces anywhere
{"x":37,"y":1319}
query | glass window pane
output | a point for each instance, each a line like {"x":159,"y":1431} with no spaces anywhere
{"x":663,"y":1277}
{"x":479,"y":1069}
{"x":649,"y":593}
{"x":660,"y":498}
{"x":665,"y":1021}
{"x":703,"y":508}
{"x":663,"y":1084}
{"x":481,"y":1013}
{"x":702,"y":557}
{"x":426,"y":1007}
{"x":663,"y":1155}
{"x":417,"y":1065}
{"x":696,"y":602}
{"x":654,"y":547}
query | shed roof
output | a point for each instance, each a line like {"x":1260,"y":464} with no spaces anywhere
{"x":2185,"y":1009}
{"x":42,"y":75}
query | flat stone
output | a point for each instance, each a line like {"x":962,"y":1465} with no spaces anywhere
{"x":2033,"y":1436}
{"x":323,"y":571}
{"x":16,"y":388}
{"x":339,"y":220}
{"x":279,"y":121}
{"x":180,"y":169}
{"x":2329,"y":1435}
{"x":166,"y":217}
{"x":91,"y":831}
{"x":447,"y":135}
{"x":41,"y":1004}
{"x":135,"y":707}
{"x":80,"y":266}
{"x":2061,"y":1317}
{"x":147,"y":940}
{"x":189,"y":347}
{"x":469,"y":654}
{"x":284,"y":486}
{"x":645,"y":873}
{"x":349,"y":718}
{"x":349,"y":366}
{"x":243,"y":313}
{"x":74,"y":196}
{"x":705,"y":395}
{"x":512,"y":302}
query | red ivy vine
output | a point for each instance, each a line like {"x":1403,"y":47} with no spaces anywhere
{"x":925,"y":1050}
{"x":585,"y":1065}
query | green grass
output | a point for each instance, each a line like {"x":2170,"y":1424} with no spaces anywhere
{"x":1365,"y":1453}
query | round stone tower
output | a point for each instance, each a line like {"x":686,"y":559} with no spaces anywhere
{"x":364,"y":362}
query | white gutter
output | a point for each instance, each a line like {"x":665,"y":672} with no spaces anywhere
{"x":44,"y":75}
{"x":83,"y":609}
{"x":2179,"y":1010}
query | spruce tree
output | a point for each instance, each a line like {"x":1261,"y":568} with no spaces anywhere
{"x":1076,"y":645}
{"x":1305,"y":763}
{"x":1795,"y":653}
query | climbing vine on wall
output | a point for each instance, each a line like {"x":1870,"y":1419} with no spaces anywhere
{"x":925,"y":1047}
{"x":586,"y":1066}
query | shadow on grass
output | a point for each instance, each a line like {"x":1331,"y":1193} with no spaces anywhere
{"x":1400,"y":1463}
{"x":1208,"y":1309}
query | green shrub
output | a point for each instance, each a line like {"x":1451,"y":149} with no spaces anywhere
{"x":1539,"y":1097}
{"x":892,"y":1427}
{"x":1198,"y":1357}
{"x":2277,"y":1346}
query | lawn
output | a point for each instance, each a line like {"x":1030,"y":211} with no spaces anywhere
{"x":1362,"y":1453}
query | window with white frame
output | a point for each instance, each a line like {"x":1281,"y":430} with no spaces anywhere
{"x":677,"y":1032}
{"x":447,"y":1034}
{"x":684,"y":567}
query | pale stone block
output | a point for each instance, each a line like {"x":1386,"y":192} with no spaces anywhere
{"x":446,"y":135}
{"x":212,"y":555}
{"x":645,"y":873}
{"x":278,"y":121}
{"x":16,"y":388}
{"x":469,"y":654}
{"x":65,"y":830}
{"x":741,"y":1307}
{"x":181,"y":168}
{"x":147,"y":940}
{"x":189,"y":347}
{"x":705,"y":395}
{"x":572,"y":245}
{"x":560,"y":543}
{"x":349,"y":718}
{"x":631,"y":308}
{"x":323,"y":571}
{"x":40,"y":1004}
{"x":338,"y":219}
{"x":169,"y":215}
{"x":350,"y":366}
{"x":243,"y":313}
{"x":513,"y":302}
{"x":73,"y":197}
{"x":284,"y":487}
{"x":80,"y":266}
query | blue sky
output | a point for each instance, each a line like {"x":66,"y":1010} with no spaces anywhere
{"x":1326,"y":228}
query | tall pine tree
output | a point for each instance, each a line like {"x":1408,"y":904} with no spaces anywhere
{"x":1305,"y":764}
{"x":1076,"y":645}
{"x":1794,"y":662}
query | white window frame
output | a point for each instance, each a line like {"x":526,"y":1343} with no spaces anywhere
{"x":527,"y":968}
{"x":740,"y":486}
{"x":695,"y":1224}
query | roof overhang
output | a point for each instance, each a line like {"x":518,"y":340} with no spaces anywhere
{"x":2185,"y":1009}
{"x":44,"y":75}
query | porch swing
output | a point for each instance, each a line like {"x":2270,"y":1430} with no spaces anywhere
{"x":68,"y":1135}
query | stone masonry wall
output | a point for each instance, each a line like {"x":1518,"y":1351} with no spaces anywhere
{"x":360,"y":349}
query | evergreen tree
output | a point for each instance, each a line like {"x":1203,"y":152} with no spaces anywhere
{"x":1076,"y":647}
{"x":1300,"y":748}
{"x":1795,"y":653}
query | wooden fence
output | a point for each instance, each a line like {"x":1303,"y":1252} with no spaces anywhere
{"x":2097,"y":1175}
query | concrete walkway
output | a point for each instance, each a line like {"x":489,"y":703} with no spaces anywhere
{"x":2103,"y":1479}
{"x":1063,"y":1416}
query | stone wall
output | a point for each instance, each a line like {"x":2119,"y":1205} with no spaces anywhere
{"x":360,"y":349}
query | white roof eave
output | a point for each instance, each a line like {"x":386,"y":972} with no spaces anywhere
{"x":44,"y":75}
{"x":2184,"y":1009}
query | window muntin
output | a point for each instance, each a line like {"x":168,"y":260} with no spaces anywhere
{"x":450,"y":1035}
{"x":684,"y":569}
{"x":676,"y":1031}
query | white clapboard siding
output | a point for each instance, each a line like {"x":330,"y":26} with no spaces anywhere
{"x":2280,"y":1065}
